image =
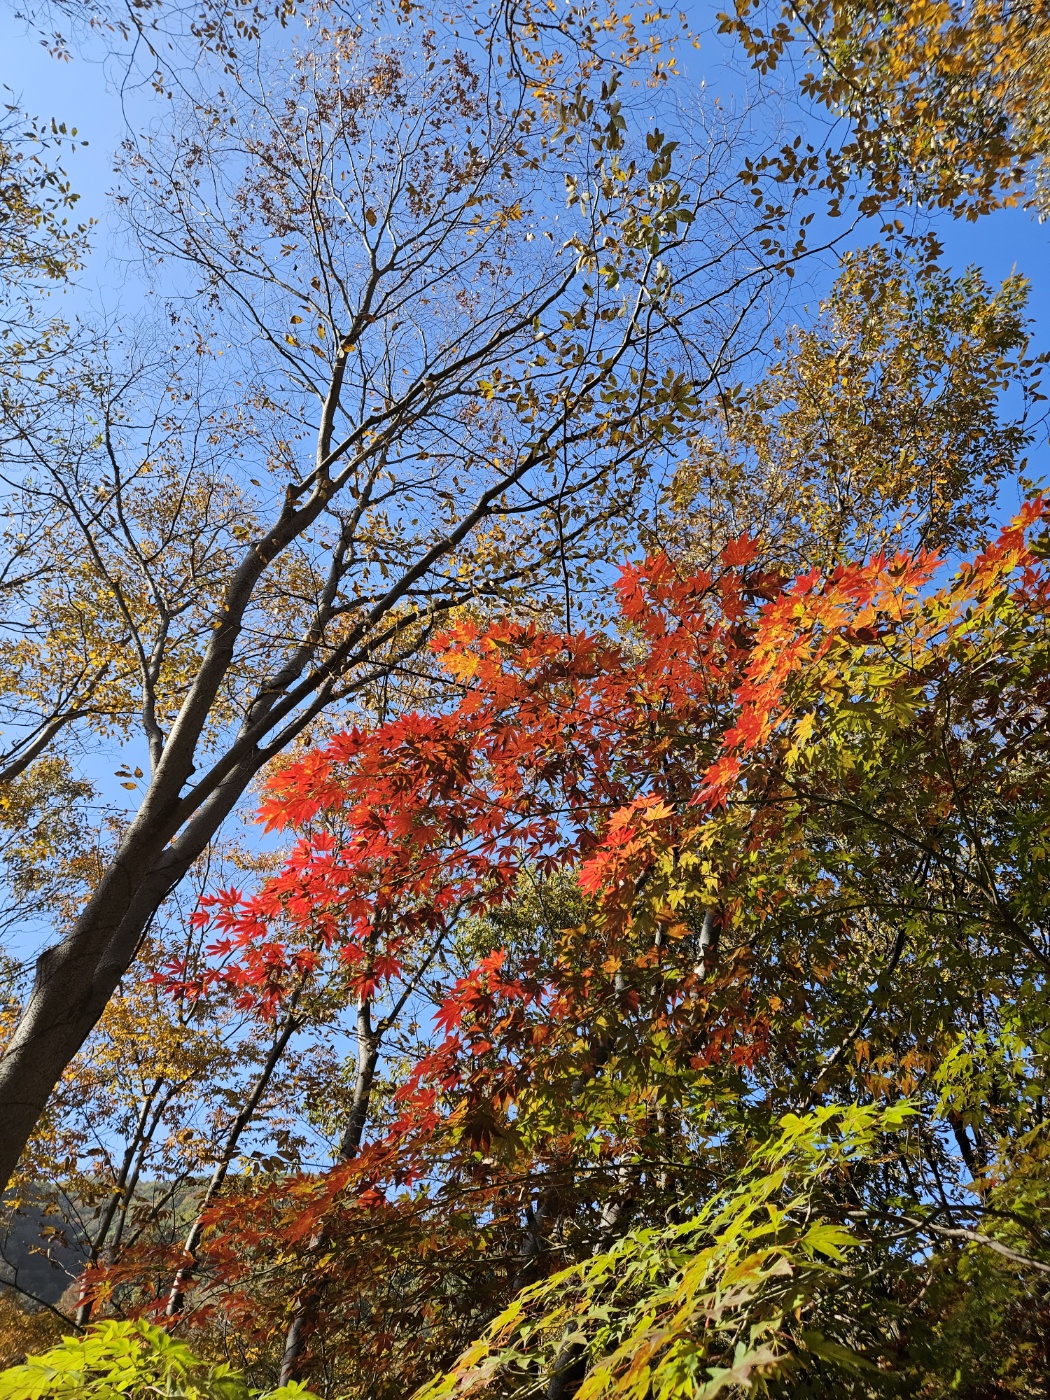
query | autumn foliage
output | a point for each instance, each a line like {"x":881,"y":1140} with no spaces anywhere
{"x":765,"y":848}
{"x":569,"y":922}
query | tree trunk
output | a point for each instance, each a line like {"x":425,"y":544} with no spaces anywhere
{"x":75,"y":978}
{"x":184,"y":1274}
{"x":304,"y":1318}
{"x":74,"y":981}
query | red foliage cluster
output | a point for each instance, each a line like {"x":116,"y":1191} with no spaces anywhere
{"x":564,"y":750}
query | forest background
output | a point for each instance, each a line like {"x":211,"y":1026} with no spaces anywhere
{"x":564,"y":475}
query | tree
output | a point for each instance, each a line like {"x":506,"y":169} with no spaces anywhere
{"x":371,"y":224}
{"x":879,"y":427}
{"x":807,"y":837}
{"x":947,"y":101}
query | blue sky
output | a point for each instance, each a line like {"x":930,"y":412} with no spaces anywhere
{"x":87,"y":93}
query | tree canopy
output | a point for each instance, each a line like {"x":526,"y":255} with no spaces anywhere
{"x":568,"y":917}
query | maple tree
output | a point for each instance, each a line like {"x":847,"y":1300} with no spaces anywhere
{"x":802,"y":826}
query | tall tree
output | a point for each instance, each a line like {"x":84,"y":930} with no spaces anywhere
{"x":398,"y":375}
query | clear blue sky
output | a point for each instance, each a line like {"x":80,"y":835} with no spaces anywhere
{"x":86,"y":93}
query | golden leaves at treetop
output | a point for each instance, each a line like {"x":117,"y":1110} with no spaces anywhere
{"x":949,"y":100}
{"x":876,"y":428}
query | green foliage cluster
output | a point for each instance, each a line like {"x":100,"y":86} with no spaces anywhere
{"x":129,"y":1361}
